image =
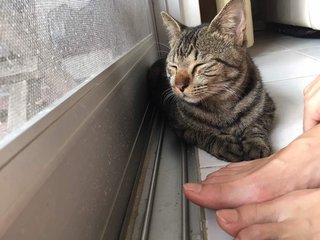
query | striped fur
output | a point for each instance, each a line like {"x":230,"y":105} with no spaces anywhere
{"x":210,"y":89}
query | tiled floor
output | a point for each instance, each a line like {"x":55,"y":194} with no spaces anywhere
{"x":287,"y":65}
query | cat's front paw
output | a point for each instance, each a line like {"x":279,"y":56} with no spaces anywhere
{"x":229,"y":149}
{"x":231,"y":153}
{"x":256,"y":148}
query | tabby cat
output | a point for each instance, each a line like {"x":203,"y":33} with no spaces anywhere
{"x":210,"y":89}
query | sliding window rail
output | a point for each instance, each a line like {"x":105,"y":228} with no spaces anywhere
{"x":160,"y":209}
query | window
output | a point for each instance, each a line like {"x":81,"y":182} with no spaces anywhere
{"x":50,"y":48}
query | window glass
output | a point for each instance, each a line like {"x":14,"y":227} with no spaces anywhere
{"x":50,"y":47}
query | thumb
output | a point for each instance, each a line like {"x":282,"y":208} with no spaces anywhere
{"x":217,"y":196}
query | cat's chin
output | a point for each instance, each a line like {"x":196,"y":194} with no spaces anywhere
{"x":191,"y":99}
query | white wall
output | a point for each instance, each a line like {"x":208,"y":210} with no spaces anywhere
{"x":174,"y":9}
{"x":191,"y":12}
{"x":185,"y":11}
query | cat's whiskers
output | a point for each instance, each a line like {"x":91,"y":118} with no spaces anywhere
{"x":210,"y":92}
{"x":164,"y":45}
{"x":234,"y":91}
{"x":168,"y":96}
{"x":162,"y":51}
{"x":198,"y":93}
{"x":166,"y":93}
{"x":199,"y":90}
{"x":200,"y":87}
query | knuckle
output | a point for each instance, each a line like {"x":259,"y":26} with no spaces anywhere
{"x":249,"y":213}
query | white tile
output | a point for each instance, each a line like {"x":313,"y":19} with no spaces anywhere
{"x":312,"y":52}
{"x":207,"y":160}
{"x":214,"y":232}
{"x":265,"y":43}
{"x":285,"y":65}
{"x":288,"y":97}
{"x":265,"y":46}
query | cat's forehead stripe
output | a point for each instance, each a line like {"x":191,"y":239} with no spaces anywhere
{"x":187,"y":43}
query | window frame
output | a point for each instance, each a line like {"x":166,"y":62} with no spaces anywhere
{"x":35,"y":152}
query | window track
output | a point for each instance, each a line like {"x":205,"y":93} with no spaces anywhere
{"x":160,"y":209}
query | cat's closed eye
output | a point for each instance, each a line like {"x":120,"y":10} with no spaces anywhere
{"x":173,"y":66}
{"x":197,"y":67}
{"x":172,"y":69}
{"x":208,"y":70}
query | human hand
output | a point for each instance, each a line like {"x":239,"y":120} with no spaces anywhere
{"x":257,"y":181}
{"x":294,"y":215}
{"x":312,"y":104}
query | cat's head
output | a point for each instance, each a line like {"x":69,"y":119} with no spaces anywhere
{"x":205,"y":60}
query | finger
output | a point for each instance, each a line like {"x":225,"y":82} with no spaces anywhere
{"x":268,"y":231}
{"x":203,"y":194}
{"x":238,"y":164}
{"x":233,"y":172}
{"x":237,"y":168}
{"x":221,"y":179}
{"x":315,"y":82}
{"x":227,"y":177}
{"x":225,"y":172}
{"x":216,"y":196}
{"x":233,"y":220}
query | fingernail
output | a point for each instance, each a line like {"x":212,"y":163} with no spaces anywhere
{"x":228,"y":215}
{"x":192,"y":187}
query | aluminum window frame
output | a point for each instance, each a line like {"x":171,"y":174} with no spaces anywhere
{"x":22,"y":169}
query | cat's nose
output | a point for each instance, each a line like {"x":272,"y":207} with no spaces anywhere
{"x":182,"y":86}
{"x":182,"y":80}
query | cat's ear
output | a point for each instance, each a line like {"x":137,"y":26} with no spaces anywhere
{"x":174,"y":28}
{"x":231,"y":20}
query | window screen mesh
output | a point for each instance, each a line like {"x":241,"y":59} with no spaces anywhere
{"x":49,"y":47}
